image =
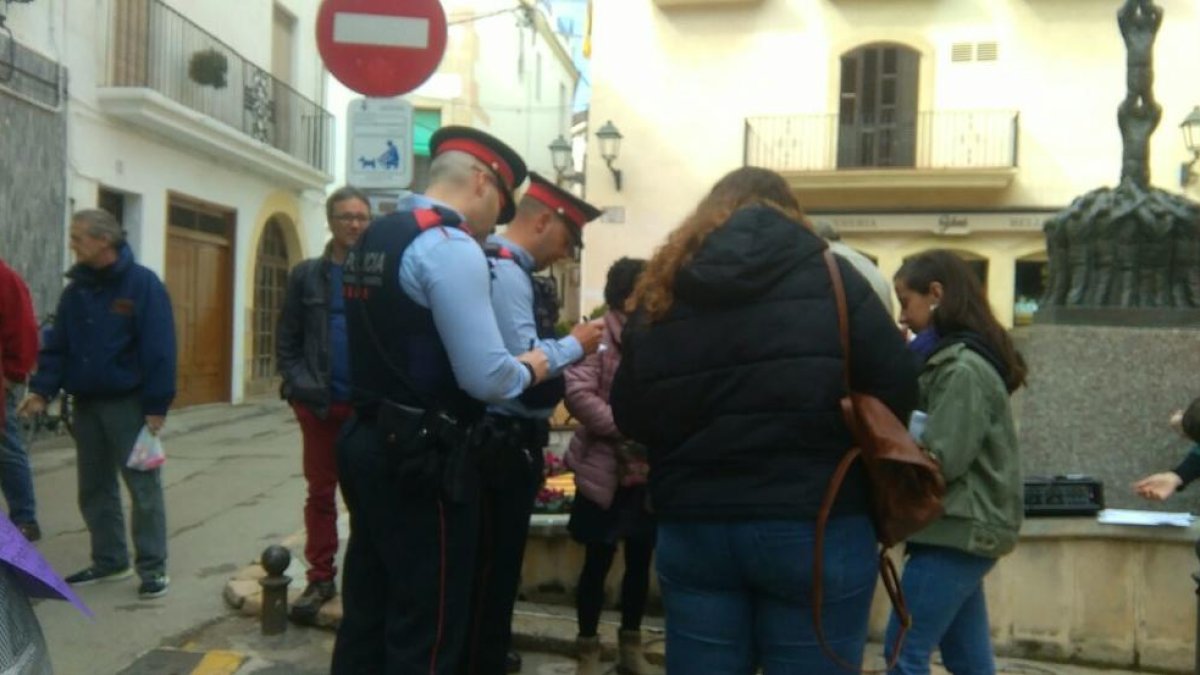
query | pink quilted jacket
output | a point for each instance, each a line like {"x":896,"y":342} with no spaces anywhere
{"x":592,"y":452}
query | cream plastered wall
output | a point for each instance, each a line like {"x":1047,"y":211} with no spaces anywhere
{"x":680,"y":82}
{"x":1001,"y":250}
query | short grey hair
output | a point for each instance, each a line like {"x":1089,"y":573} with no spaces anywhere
{"x":101,"y":224}
{"x":452,"y":167}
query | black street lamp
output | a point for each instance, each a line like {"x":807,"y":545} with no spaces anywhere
{"x":610,"y":148}
{"x":1191,"y":141}
{"x":560,"y":156}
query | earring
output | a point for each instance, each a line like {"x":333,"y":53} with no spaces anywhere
{"x":933,"y":307}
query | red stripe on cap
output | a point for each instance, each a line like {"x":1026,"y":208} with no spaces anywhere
{"x":484,"y":154}
{"x":548,"y":196}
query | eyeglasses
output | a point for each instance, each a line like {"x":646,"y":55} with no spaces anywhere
{"x":347,"y":218}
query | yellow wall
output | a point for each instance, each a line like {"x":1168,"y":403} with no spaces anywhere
{"x":680,"y":82}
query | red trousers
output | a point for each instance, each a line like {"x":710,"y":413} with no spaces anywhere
{"x":320,"y":472}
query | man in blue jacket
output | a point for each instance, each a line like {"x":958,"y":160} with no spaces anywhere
{"x":113,"y":349}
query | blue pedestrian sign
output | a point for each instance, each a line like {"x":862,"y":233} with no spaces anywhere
{"x":379,"y":143}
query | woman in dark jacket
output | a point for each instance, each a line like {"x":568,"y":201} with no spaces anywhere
{"x":732,"y":376}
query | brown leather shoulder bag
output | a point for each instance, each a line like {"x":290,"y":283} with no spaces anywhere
{"x":904,"y":482}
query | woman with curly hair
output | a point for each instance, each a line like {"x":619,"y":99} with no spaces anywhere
{"x":731,"y":377}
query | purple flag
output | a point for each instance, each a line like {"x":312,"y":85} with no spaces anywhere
{"x":38,"y":578}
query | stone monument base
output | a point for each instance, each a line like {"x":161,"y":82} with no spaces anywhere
{"x":1126,"y":317}
{"x":1098,"y":400}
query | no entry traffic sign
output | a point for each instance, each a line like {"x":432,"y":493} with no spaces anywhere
{"x":381,"y":48}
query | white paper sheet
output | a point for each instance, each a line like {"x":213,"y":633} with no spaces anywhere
{"x":1138,"y":517}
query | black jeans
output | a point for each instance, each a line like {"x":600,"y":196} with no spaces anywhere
{"x":511,"y":481}
{"x":589,"y":595}
{"x":406,"y":586}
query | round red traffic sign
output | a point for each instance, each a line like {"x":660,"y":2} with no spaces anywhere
{"x":381,"y":48}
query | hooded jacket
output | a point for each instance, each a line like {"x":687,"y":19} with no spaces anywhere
{"x":736,"y":390}
{"x":113,"y":334}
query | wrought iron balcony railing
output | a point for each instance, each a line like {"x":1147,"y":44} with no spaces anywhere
{"x":931,"y":140}
{"x":155,"y":47}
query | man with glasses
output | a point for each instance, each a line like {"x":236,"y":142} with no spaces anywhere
{"x":312,"y":353}
{"x":548,"y":227}
{"x":427,"y":355}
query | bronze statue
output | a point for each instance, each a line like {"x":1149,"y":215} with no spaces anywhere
{"x":1132,"y":245}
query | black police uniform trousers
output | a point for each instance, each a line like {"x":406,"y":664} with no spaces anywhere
{"x":406,"y":583}
{"x":511,"y":475}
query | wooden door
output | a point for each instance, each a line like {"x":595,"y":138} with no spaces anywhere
{"x":877,"y":115}
{"x":199,"y":281}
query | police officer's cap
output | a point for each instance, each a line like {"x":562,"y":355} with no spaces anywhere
{"x":506,"y":165}
{"x":574,"y":211}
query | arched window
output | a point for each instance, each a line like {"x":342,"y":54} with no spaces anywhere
{"x":877,"y":114}
{"x":270,"y":285}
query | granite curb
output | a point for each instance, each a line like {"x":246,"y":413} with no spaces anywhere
{"x":547,"y":628}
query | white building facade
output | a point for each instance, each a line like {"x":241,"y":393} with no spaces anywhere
{"x":201,"y":126}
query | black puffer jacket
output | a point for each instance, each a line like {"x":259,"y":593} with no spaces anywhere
{"x":302,"y":337}
{"x":736,"y":390}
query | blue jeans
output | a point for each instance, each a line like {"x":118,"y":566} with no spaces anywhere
{"x":944,"y":591}
{"x":16,"y":480}
{"x":738,"y":595}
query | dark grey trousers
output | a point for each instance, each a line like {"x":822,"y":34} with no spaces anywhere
{"x":105,"y":430}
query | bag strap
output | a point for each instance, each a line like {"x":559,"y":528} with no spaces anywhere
{"x":887,"y":569}
{"x":839,"y":296}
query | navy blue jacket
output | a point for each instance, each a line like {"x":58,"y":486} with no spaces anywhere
{"x":113,"y":334}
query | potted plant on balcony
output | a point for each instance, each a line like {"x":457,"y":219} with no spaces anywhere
{"x":209,"y":67}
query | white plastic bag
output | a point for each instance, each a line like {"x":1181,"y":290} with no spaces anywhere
{"x":147,"y":453}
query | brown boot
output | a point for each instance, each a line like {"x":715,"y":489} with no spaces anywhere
{"x":632,"y":657}
{"x":588,"y":650}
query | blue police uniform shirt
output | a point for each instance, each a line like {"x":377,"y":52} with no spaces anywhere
{"x":444,"y":270}
{"x":339,"y":342}
{"x":512,"y":300}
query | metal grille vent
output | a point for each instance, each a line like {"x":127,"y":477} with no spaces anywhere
{"x":961,"y":52}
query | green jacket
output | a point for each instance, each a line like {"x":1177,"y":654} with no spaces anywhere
{"x":970,"y":431}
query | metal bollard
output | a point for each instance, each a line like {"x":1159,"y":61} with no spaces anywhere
{"x":275,"y":560}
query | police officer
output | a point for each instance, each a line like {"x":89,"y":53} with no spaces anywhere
{"x":425,"y":352}
{"x":548,"y":227}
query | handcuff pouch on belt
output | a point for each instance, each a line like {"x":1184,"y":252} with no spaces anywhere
{"x":428,"y":449}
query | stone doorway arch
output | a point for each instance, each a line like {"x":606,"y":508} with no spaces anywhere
{"x":274,"y":256}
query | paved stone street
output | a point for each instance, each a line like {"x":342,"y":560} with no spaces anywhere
{"x":234,"y":486}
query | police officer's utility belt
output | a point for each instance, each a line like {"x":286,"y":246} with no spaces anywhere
{"x":514,"y":432}
{"x":427,"y":449}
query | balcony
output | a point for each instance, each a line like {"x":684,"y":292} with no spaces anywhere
{"x":166,"y":74}
{"x":942,"y":149}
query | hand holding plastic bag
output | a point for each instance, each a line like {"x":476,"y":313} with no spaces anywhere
{"x":147,"y":453}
